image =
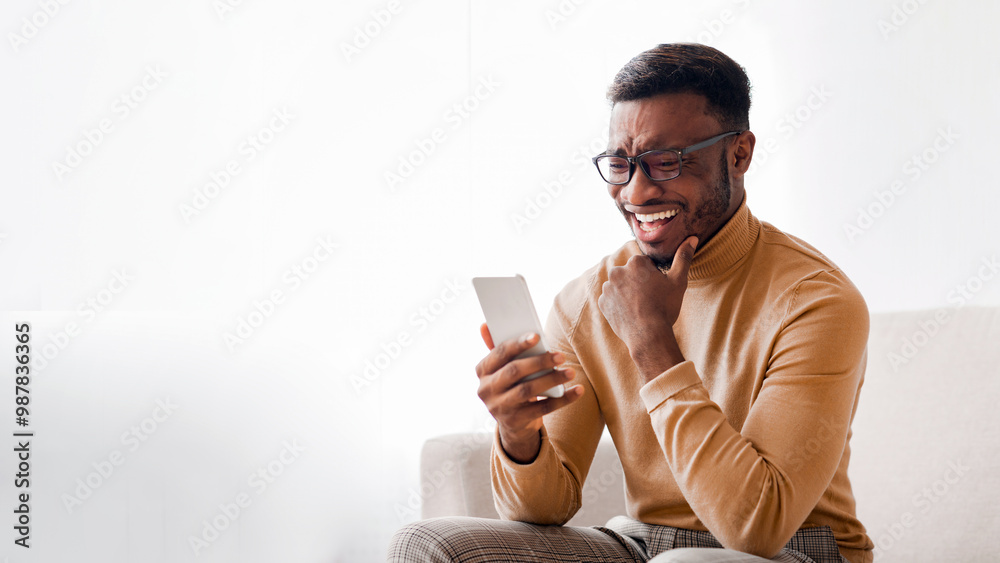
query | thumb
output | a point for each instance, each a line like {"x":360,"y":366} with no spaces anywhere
{"x":484,"y":331}
{"x":683,"y":257}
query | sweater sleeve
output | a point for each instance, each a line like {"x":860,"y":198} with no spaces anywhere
{"x":755,"y":487}
{"x":549,"y":489}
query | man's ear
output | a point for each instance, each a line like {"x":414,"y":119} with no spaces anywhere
{"x":743,"y":152}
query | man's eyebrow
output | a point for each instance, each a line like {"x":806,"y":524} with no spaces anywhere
{"x":622,"y":152}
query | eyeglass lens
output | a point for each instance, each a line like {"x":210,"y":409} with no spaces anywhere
{"x":658,"y":165}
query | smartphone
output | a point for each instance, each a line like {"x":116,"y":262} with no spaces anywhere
{"x":510,"y":313}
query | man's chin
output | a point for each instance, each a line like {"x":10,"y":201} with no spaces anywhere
{"x":661,"y":260}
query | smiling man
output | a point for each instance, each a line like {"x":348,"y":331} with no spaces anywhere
{"x":724,"y":356}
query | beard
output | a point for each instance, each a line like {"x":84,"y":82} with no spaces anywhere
{"x":707,"y":217}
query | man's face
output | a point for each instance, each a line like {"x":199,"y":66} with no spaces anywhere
{"x":702,"y":196}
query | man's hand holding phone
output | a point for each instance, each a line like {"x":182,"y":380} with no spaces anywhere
{"x":517,"y":404}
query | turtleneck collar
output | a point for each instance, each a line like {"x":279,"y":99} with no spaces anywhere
{"x":727,"y":247}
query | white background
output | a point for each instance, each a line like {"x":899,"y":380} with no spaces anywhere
{"x":362,"y":89}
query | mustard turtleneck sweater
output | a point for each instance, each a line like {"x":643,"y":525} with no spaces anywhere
{"x":749,"y":438}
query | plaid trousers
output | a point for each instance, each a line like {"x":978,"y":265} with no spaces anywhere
{"x":481,"y":540}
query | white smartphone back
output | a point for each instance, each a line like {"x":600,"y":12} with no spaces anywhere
{"x":510,"y":313}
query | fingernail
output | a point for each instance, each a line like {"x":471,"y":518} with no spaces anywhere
{"x":558,"y":358}
{"x":527,"y":337}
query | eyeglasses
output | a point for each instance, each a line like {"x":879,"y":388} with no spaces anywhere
{"x":657,"y":165}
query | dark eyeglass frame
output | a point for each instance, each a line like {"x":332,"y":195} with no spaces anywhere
{"x":633,"y":160}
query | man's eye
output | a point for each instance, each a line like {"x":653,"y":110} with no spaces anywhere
{"x":663,"y":162}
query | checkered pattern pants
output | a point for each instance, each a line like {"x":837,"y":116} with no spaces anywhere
{"x":480,"y":540}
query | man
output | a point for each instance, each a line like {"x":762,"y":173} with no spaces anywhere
{"x":724,"y":356}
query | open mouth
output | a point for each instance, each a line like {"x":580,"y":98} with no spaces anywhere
{"x":654,"y":221}
{"x":653,"y":228}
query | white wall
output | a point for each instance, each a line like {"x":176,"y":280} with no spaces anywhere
{"x":209,"y":78}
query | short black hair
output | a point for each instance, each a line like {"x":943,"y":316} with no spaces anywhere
{"x":676,"y":68}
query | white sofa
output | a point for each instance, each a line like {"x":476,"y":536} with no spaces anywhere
{"x":926,"y":446}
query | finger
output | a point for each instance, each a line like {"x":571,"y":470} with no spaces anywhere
{"x":532,"y":390}
{"x":683,"y":257}
{"x":484,"y":331}
{"x":644,"y":267}
{"x":533,"y":411}
{"x":515,"y":371}
{"x":501,"y":355}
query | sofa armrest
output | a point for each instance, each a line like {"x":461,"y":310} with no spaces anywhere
{"x":455,"y":480}
{"x":455,"y":476}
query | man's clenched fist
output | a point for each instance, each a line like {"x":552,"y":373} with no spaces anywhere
{"x":642,"y":304}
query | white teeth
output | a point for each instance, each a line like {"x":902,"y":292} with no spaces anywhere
{"x":655,"y":216}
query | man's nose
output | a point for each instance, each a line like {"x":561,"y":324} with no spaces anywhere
{"x":640,"y":188}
